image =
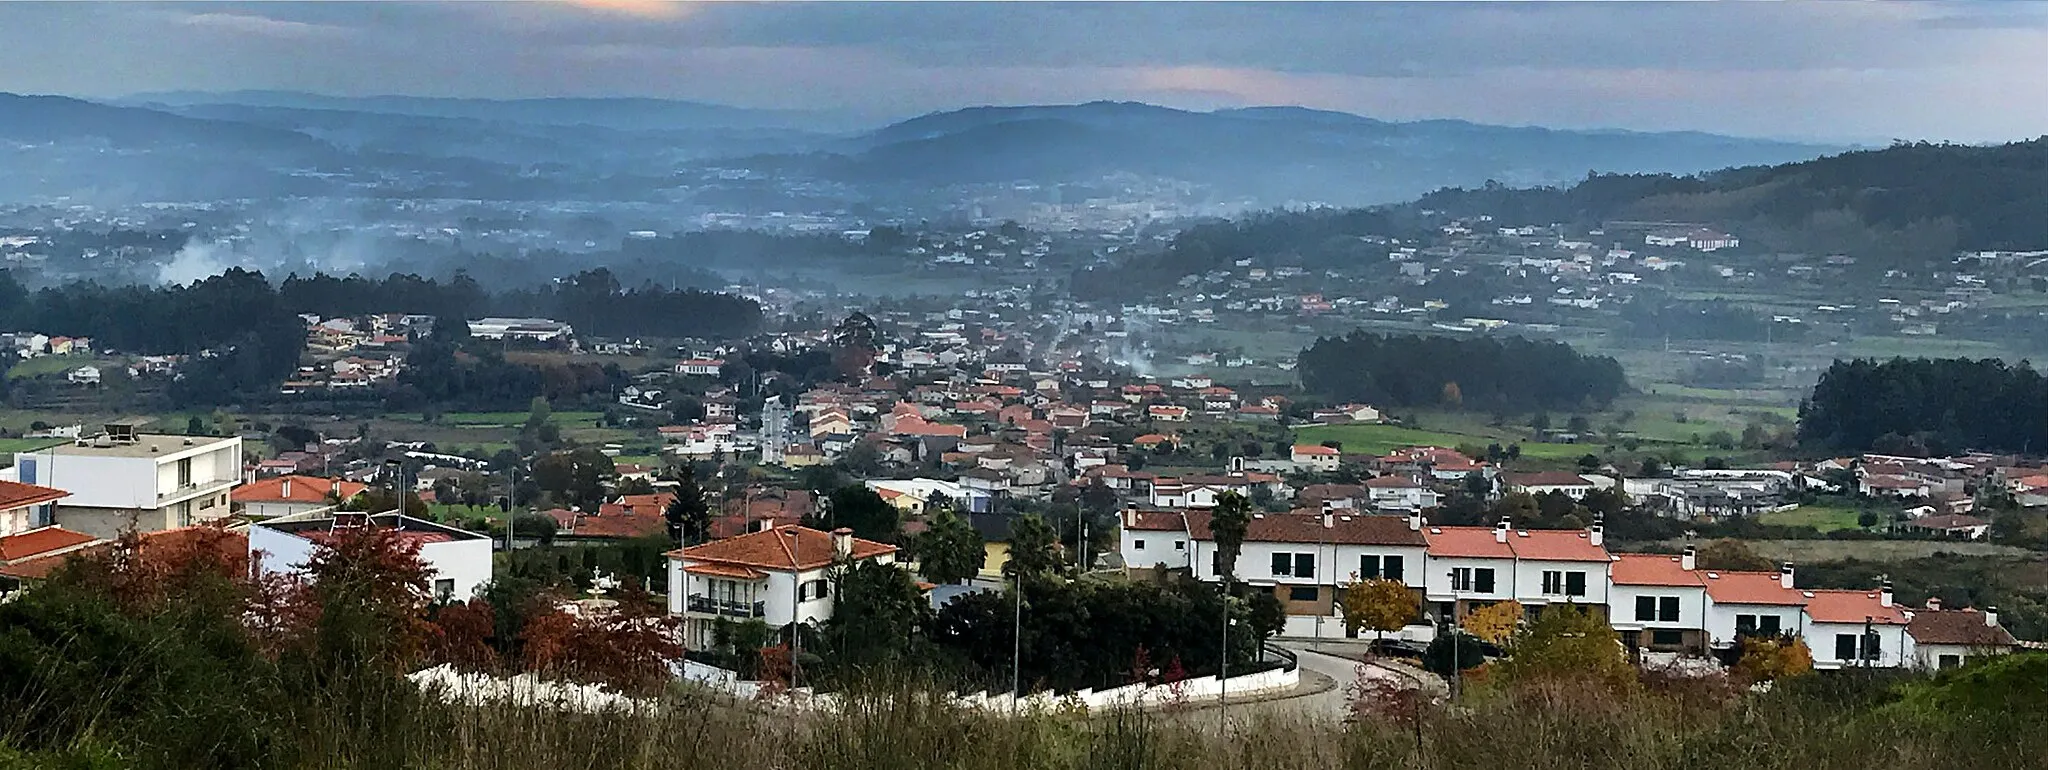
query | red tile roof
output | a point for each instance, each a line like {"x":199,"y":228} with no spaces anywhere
{"x":234,"y":545}
{"x":1556,"y":545}
{"x":1653,"y":569}
{"x":38,"y":542}
{"x":1726,"y":587}
{"x":1467,"y":543}
{"x":1157,"y":521}
{"x":1829,"y":606}
{"x":1315,"y":449}
{"x":1962,"y":627}
{"x":303,"y":489}
{"x":777,"y":549}
{"x":726,"y":570}
{"x":14,"y":494}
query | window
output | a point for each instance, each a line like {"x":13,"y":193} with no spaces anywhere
{"x":1180,"y":545}
{"x":1553,"y":581}
{"x":1646,"y":608}
{"x":813,"y":589}
{"x":1872,"y":646}
{"x":1667,"y":638}
{"x":1381,"y":567}
{"x":1575,"y":584}
{"x":1948,"y":661}
{"x":1461,"y":579}
{"x":1303,"y":593}
{"x":1667,"y":609}
{"x":1845,"y":646}
{"x":444,"y":589}
{"x":1475,"y":579}
{"x":1137,"y":545}
{"x":1301,"y":565}
{"x":1482,"y":580}
{"x":1756,"y":625}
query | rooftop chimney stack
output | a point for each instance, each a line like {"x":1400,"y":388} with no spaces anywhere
{"x":284,"y":489}
{"x":1597,"y":533}
{"x":1991,"y":616}
{"x":1415,"y":520}
{"x":1500,"y":531}
{"x":1130,"y":515}
{"x":1933,"y":604}
{"x":1785,"y":576}
{"x":842,"y":543}
{"x":1884,"y":594}
{"x":1690,"y":560}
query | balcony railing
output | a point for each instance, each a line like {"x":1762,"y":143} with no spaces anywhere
{"x":700,"y":603}
{"x":190,"y":489}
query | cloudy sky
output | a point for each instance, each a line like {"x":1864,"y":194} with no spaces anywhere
{"x":1862,"y":71}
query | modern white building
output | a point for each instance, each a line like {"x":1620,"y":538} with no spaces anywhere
{"x":124,"y":479}
{"x":458,"y":561}
{"x":535,"y":329}
{"x":778,"y":576}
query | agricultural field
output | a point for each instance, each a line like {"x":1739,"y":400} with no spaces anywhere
{"x":1826,"y":517}
{"x":12,"y":445}
{"x":1381,"y":439}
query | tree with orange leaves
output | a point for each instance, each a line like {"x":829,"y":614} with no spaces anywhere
{"x":629,"y":647}
{"x":1495,"y":623}
{"x":371,"y":591}
{"x":462,"y":634}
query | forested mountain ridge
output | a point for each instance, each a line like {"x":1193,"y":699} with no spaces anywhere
{"x":1905,"y":199}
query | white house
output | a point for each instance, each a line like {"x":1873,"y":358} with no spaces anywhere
{"x":24,"y":507}
{"x":1399,"y":493}
{"x":1306,"y":557}
{"x":1947,"y":638}
{"x":1561,"y":566}
{"x":779,"y":576}
{"x":1152,"y":539}
{"x":1572,"y":485}
{"x":458,"y":561}
{"x":1848,"y":629}
{"x":1317,"y":458}
{"x":293,"y":494}
{"x":700,"y":367}
{"x":1659,"y":602}
{"x":1760,"y":603}
{"x":124,"y":479}
{"x":1468,"y":568}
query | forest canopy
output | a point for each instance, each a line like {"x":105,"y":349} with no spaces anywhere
{"x":1510,"y":374}
{"x":1927,"y":406}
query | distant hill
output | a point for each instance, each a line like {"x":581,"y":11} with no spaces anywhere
{"x":1896,"y":203}
{"x":31,"y":118}
{"x":1278,"y":153}
{"x":627,"y":113}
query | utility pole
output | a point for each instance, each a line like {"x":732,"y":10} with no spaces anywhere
{"x":796,"y":614}
{"x":1223,"y":667}
{"x":1017,"y":645}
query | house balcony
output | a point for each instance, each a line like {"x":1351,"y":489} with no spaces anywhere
{"x":705,"y":605}
{"x":195,"y":489}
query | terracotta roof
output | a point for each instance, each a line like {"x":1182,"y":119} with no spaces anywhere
{"x":1306,"y":526}
{"x":1852,"y":607}
{"x":1466,"y":542}
{"x":1548,"y":479}
{"x":776,"y":549}
{"x":235,"y":544}
{"x":726,"y":570}
{"x":14,"y":494}
{"x":1392,"y":482}
{"x":1654,"y":569}
{"x":1315,"y":449}
{"x":1556,"y":545}
{"x":1158,"y":521}
{"x":37,"y":542}
{"x":1963,"y":627}
{"x":1751,"y":588}
{"x":1330,"y":491}
{"x":304,"y":489}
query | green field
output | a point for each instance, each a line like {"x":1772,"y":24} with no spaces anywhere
{"x":1824,"y":517}
{"x":45,"y":366}
{"x":505,"y":419}
{"x":1381,"y":439}
{"x":11,"y":445}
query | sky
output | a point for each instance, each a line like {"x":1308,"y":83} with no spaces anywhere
{"x":1864,"y":71}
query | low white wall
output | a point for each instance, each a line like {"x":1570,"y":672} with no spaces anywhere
{"x":1188,"y":691}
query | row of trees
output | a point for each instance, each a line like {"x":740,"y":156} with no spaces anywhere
{"x":1927,"y":406}
{"x":1511,"y":374}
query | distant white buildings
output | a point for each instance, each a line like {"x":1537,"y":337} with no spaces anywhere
{"x":534,"y":329}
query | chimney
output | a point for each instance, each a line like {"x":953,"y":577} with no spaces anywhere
{"x":1415,"y":520}
{"x":1597,"y":533}
{"x":1329,"y":519}
{"x":1690,"y":560}
{"x":1500,"y":531}
{"x":1130,"y":515}
{"x":1785,"y":576}
{"x":1991,"y":616}
{"x":284,"y":490}
{"x":1884,"y":594}
{"x":1933,"y":604}
{"x":842,"y":543}
{"x":335,"y":487}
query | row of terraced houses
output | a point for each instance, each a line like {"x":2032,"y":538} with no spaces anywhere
{"x":1662,"y":605}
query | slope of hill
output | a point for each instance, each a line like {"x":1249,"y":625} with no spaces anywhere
{"x":1285,"y":153}
{"x":611,"y":112}
{"x":1908,"y":199}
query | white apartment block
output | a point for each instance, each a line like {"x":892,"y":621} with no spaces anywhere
{"x":123,"y":479}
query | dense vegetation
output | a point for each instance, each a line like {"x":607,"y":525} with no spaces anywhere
{"x":1316,"y":239}
{"x":1927,"y":406}
{"x":1502,"y":374}
{"x":1907,"y":200}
